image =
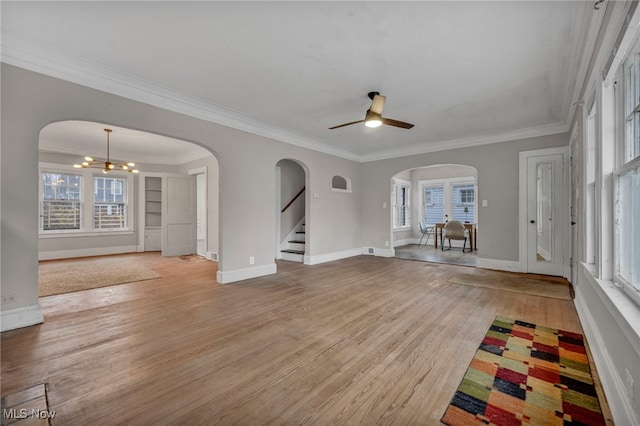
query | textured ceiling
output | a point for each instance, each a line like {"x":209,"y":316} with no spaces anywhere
{"x":463,"y":72}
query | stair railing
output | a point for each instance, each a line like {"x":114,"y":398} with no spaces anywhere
{"x":294,"y":198}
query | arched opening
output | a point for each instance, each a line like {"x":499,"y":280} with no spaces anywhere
{"x":101,"y":207}
{"x":340,"y":184}
{"x":423,"y":202}
{"x":291,"y":215}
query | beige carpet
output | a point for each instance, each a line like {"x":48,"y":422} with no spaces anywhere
{"x":85,"y":274}
{"x":555,"y":288}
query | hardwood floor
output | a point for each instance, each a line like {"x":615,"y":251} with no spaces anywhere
{"x":426,"y":253}
{"x":363,"y":340}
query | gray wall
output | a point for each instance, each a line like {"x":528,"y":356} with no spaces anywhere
{"x":30,"y":101}
{"x":497,"y":166}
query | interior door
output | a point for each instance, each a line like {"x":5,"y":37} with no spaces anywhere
{"x":544,"y":214}
{"x":179,"y":213}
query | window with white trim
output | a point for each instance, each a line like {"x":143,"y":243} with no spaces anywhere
{"x":433,"y":197}
{"x":400,"y":200}
{"x":60,"y":206}
{"x":109,"y":203}
{"x":76,"y":202}
{"x":463,"y":204}
{"x":627,"y":173}
{"x":449,"y":199}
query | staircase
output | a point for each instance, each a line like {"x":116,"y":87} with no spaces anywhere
{"x":293,"y":248}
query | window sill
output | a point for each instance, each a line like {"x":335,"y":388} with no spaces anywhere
{"x":404,"y":228}
{"x":71,"y":234}
{"x":619,"y":305}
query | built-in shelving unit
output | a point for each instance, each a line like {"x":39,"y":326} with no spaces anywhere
{"x":152,"y":212}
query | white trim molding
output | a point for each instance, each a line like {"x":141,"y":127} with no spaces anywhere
{"x":384,"y":252}
{"x":328,"y":257}
{"x":101,"y":251}
{"x":499,"y":265}
{"x":226,"y":277}
{"x":20,"y":317}
{"x":627,"y":318}
{"x":56,"y":63}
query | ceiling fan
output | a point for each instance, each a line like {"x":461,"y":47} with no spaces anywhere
{"x":374,"y":117}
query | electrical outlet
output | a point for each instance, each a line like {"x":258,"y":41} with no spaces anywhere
{"x":386,"y":243}
{"x":252,"y":260}
{"x":628,"y":381}
{"x":9,"y":298}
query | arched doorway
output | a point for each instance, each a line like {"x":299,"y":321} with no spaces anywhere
{"x":85,"y":211}
{"x":423,"y":199}
{"x":291,"y":203}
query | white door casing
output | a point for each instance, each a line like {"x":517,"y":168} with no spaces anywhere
{"x":543,"y":204}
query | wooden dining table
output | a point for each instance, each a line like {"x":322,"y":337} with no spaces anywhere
{"x":473,"y":233}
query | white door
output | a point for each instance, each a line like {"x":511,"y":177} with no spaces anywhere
{"x":544,"y":245}
{"x":179,"y":210}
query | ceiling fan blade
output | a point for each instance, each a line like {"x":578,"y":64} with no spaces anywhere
{"x":396,"y":123}
{"x":346,"y":124}
{"x":377,"y":103}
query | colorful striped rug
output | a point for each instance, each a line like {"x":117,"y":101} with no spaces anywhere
{"x":526,"y":374}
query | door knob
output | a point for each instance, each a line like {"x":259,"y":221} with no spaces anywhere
{"x":533,"y":221}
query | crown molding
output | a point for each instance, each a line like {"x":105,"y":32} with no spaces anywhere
{"x":58,"y":64}
{"x":531,"y":132}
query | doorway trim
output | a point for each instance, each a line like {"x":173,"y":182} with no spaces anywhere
{"x":522,"y":206}
{"x":203,"y":171}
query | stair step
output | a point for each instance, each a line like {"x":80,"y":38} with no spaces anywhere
{"x":297,"y":241}
{"x":293,"y":251}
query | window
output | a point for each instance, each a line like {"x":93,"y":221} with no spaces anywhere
{"x":81,"y":202}
{"x":449,"y":199}
{"x":590,"y":174}
{"x":109,"y":203}
{"x":400,"y":195}
{"x":61,"y":203}
{"x":464,"y":200}
{"x":433,"y":204}
{"x":627,"y":193}
{"x":632,"y":107}
{"x":628,"y":228}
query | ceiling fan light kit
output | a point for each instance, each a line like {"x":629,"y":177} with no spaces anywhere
{"x":373,"y":118}
{"x":106,"y":165}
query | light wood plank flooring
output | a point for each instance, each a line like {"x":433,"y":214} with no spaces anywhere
{"x":426,"y":253}
{"x":365,"y":340}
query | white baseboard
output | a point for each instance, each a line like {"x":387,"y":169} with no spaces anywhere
{"x":226,"y":277}
{"x":384,"y":252}
{"x":500,"y":265}
{"x":405,"y":241}
{"x":20,"y":317}
{"x":328,"y":257}
{"x":622,"y":408}
{"x":66,"y":254}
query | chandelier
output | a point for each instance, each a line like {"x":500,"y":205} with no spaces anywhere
{"x":106,"y":165}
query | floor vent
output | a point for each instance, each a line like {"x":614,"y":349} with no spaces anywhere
{"x":369,"y":250}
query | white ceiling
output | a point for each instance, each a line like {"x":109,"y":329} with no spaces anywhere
{"x":86,"y":138}
{"x":464,"y":73}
